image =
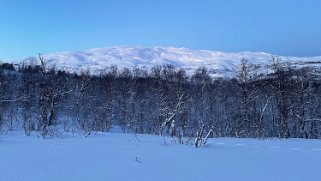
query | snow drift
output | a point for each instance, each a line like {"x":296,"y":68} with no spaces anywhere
{"x":116,"y":156}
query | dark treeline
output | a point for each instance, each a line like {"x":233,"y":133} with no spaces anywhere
{"x":165,"y":100}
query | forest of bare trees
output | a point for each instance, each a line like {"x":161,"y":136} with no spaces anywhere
{"x":284,"y":103}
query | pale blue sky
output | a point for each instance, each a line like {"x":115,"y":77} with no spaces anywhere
{"x":284,"y":27}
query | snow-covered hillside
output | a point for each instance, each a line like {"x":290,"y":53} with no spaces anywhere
{"x":220,"y":63}
{"x":116,"y":156}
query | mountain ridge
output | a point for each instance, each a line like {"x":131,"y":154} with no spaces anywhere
{"x":221,"y":64}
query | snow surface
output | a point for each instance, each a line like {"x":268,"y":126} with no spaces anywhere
{"x":116,"y":156}
{"x":222,"y":64}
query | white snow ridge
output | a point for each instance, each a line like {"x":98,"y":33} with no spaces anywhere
{"x":220,"y":64}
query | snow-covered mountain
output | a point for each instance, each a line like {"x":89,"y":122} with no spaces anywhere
{"x":219,"y":63}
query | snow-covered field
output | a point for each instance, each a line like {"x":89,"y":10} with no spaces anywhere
{"x":116,"y":156}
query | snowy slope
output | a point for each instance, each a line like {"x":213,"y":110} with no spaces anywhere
{"x":220,"y":63}
{"x":116,"y":156}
